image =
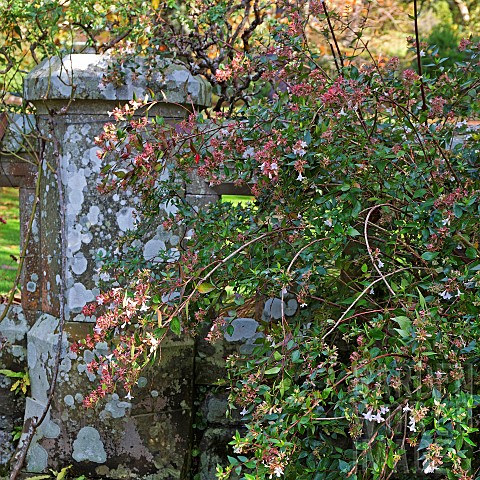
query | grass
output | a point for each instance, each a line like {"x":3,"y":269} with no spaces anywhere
{"x":236,"y":199}
{"x":9,"y":238}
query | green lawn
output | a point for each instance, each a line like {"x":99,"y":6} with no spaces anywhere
{"x":236,"y":199}
{"x":9,"y":238}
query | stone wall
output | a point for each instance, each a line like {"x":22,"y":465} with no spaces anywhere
{"x":149,"y":436}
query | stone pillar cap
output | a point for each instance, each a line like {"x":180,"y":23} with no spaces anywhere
{"x":53,"y":78}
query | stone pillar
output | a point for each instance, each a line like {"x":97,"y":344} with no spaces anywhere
{"x":148,"y":436}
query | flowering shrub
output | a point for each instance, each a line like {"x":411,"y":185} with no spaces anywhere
{"x":366,"y":208}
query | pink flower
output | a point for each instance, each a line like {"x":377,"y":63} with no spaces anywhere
{"x":464,"y":44}
{"x":409,"y":76}
{"x":223,"y":75}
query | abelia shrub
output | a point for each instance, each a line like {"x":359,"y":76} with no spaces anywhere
{"x":366,"y":208}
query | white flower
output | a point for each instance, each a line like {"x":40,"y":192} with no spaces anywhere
{"x":380,"y":263}
{"x":446,"y":221}
{"x":303,"y":305}
{"x":271,"y":340}
{"x":128,"y":396}
{"x":378,"y":418}
{"x":422,"y":53}
{"x":446,"y":295}
{"x":248,"y":153}
{"x":243,"y":412}
{"x":384,"y":409}
{"x":368,"y":416}
{"x":300,"y":177}
{"x":407,"y":408}
{"x":411,"y":424}
{"x":458,"y":292}
{"x":278,"y":471}
{"x":428,"y":468}
{"x":109,"y":357}
{"x":328,"y":222}
{"x":299,"y":148}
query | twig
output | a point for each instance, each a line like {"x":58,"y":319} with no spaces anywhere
{"x":332,"y":32}
{"x":369,"y":250}
{"x":365,"y":290}
{"x":419,"y":58}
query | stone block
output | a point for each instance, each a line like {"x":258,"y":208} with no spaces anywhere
{"x":214,"y":449}
{"x":214,"y":410}
{"x":201,"y":201}
{"x":53,"y":79}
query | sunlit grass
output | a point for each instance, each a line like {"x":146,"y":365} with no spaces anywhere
{"x":9,"y":238}
{"x":237,"y":199}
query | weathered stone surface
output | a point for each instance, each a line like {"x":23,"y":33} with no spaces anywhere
{"x":243,"y":329}
{"x":214,"y":450}
{"x":15,"y":172}
{"x":148,"y":436}
{"x":275,"y":307}
{"x":214,"y":410}
{"x":13,"y":331}
{"x":19,"y":127}
{"x":54,"y":78}
{"x":201,"y":201}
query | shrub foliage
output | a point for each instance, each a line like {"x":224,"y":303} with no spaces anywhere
{"x":366,"y":208}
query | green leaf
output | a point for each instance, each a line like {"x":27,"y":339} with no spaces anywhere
{"x":175,"y":326}
{"x":295,"y":356}
{"x":405,"y":326}
{"x":353,"y":232}
{"x":376,"y":334}
{"x":419,"y":193}
{"x":63,"y":473}
{"x":272,"y":371}
{"x":12,"y":374}
{"x":429,"y":255}
{"x":205,"y":287}
{"x":457,"y":210}
{"x":470,"y":252}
